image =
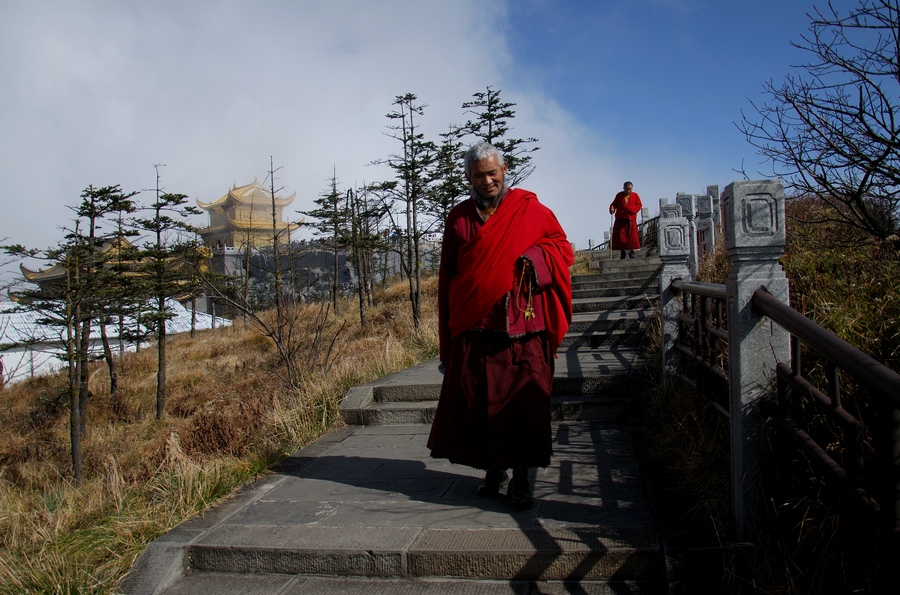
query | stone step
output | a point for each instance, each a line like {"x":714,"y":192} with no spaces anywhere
{"x":368,"y":510}
{"x":595,"y":282}
{"x":605,"y":320}
{"x":228,"y":583}
{"x":371,"y":503}
{"x":574,"y":369}
{"x":632,"y":302}
{"x":609,"y":254}
{"x":613,"y":290}
{"x":525,"y":553}
{"x":577,"y":407}
{"x":598,"y":378}
{"x":631,"y":265}
{"x":592,"y":330}
{"x":615,"y":279}
{"x":597,"y":340}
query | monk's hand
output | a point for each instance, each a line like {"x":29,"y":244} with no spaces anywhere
{"x":612,"y":209}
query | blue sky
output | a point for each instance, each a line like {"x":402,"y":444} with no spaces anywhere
{"x":98,"y":91}
{"x":664,"y":80}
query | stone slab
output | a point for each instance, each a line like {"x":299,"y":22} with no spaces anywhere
{"x":534,"y":553}
{"x":371,"y":502}
{"x":230,"y":584}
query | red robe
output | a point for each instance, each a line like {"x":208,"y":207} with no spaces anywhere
{"x":625,"y":235}
{"x":494,"y":409}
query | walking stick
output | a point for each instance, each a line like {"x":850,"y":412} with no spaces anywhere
{"x":612,"y":219}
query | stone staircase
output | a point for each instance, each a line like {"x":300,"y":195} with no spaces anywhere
{"x":365,"y":509}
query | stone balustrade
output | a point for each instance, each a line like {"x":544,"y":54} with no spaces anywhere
{"x":752,"y":219}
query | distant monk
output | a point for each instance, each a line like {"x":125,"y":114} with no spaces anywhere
{"x":504,"y":303}
{"x":626,"y":205}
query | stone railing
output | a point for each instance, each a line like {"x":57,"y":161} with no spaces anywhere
{"x":725,"y":328}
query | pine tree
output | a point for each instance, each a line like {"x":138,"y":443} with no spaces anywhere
{"x":167,"y":264}
{"x":491,"y":124}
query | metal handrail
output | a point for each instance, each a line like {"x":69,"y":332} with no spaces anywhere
{"x":701,"y":330}
{"x":838,"y":351}
{"x":713,"y":290}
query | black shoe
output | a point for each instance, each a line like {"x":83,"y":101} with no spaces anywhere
{"x":518,"y":493}
{"x":623,"y":255}
{"x":490,"y":487}
{"x":631,"y":254}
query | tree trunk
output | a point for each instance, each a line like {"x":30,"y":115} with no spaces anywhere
{"x":161,"y":362}
{"x":74,"y":411}
{"x":334,"y":282}
{"x":84,"y":345}
{"x":113,"y":373}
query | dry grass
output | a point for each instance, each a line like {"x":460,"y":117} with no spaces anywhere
{"x":582,"y":260}
{"x":229,"y":415}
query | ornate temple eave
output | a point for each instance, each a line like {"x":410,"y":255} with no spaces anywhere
{"x":262,"y":225}
{"x":249,"y":194}
{"x":54,"y":272}
{"x":248,"y":226}
{"x":210,"y":230}
{"x":58,"y":270}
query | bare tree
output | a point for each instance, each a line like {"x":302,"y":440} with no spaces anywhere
{"x":832,"y":130}
{"x":363,"y":240}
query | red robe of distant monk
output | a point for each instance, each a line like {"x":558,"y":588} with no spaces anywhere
{"x":499,"y":331}
{"x":625,"y":234}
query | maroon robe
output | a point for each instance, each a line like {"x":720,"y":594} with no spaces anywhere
{"x":494,"y":408}
{"x":625,"y":235}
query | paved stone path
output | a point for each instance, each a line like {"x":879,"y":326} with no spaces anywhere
{"x":365,"y":509}
{"x":369,"y":501}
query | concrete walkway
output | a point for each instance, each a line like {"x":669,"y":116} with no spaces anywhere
{"x":366,"y":510}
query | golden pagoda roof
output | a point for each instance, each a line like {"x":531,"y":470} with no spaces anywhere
{"x":58,"y":270}
{"x":253,"y":193}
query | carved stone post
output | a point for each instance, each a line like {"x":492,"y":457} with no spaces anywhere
{"x":667,"y":211}
{"x":673,"y":251}
{"x":713,"y":193}
{"x":689,"y":210}
{"x":753,"y":225}
{"x":705,"y":227}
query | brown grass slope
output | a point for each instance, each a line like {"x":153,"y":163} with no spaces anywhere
{"x":229,"y":415}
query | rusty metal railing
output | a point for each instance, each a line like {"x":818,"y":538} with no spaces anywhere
{"x":849,"y":474}
{"x":703,"y":340}
{"x":703,"y":330}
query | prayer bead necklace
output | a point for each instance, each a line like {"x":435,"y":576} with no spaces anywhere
{"x":529,"y":307}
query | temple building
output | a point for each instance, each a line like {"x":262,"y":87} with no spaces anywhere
{"x":243,"y":218}
{"x":52,"y":280}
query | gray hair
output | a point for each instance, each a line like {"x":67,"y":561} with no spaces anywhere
{"x":480,"y":152}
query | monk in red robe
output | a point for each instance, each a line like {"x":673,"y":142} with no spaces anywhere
{"x":505,"y":302}
{"x":626,"y":205}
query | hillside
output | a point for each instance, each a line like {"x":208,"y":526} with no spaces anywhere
{"x":229,"y":414}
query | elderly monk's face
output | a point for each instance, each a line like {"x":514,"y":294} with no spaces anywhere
{"x":486,"y":176}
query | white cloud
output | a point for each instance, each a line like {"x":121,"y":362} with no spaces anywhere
{"x":97,"y":92}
